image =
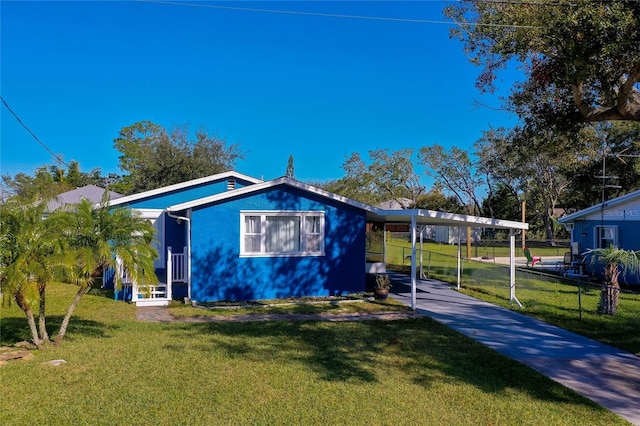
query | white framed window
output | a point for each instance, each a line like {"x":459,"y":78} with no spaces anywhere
{"x":281,"y":233}
{"x":606,"y":236}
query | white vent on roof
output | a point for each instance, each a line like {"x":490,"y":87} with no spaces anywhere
{"x":231,"y":184}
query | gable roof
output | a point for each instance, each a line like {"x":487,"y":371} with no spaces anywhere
{"x":91,"y":193}
{"x":269,"y":184}
{"x":373,"y":213}
{"x":184,"y":185}
{"x":598,"y":207}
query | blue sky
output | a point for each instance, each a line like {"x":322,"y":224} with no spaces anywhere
{"x":315,"y":87}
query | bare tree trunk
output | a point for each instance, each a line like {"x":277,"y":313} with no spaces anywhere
{"x":609,"y":298}
{"x":610,"y":294}
{"x":42,"y":318}
{"x":31,"y":320}
{"x":65,"y":321}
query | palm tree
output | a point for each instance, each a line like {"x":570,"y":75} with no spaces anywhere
{"x":617,"y":261}
{"x":101,"y":238}
{"x":74,"y":246}
{"x":31,"y":257}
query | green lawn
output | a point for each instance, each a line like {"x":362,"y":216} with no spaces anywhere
{"x":414,"y":371}
{"x":399,"y":249}
{"x":552,"y":299}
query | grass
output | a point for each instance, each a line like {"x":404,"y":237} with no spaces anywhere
{"x":398,"y":249}
{"x":552,"y":299}
{"x":414,"y":371}
{"x":305,"y":306}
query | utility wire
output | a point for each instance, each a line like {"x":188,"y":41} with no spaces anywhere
{"x":333,"y":15}
{"x":56,"y":156}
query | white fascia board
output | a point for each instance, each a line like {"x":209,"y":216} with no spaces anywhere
{"x":594,"y":209}
{"x":432,"y":217}
{"x":182,"y":185}
{"x":270,"y":184}
{"x":149,"y":213}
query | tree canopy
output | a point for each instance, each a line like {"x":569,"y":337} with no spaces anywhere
{"x":48,"y":181}
{"x":389,"y":175}
{"x":153,"y":157}
{"x":580,"y":58}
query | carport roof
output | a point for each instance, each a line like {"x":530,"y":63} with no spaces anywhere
{"x":431,"y":217}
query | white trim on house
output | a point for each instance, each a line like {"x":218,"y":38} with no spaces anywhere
{"x":261,"y":234}
{"x":265,"y":185}
{"x":182,"y":185}
{"x":597,"y":209}
{"x":431,"y":217}
{"x":156,"y":218}
{"x":612,"y":237}
{"x":373,"y":213}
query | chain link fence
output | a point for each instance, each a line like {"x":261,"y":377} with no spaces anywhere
{"x":541,"y":291}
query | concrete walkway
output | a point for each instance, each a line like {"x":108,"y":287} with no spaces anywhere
{"x":606,"y":375}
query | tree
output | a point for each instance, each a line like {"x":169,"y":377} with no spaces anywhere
{"x":436,"y":199}
{"x":101,"y":238}
{"x":616,"y":261}
{"x":31,"y":256}
{"x":40,"y":185}
{"x":389,"y":175}
{"x":454,"y":170}
{"x":580,"y":58}
{"x":617,"y":145}
{"x":502,"y":203}
{"x":290,"y":171}
{"x":52,"y":180}
{"x":72,"y":246}
{"x":152,"y":157}
{"x":534,"y":165}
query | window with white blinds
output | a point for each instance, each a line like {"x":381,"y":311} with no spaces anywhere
{"x":281,"y":233}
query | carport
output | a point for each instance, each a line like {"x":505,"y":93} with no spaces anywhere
{"x":419,"y":217}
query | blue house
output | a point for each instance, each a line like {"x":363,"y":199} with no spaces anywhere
{"x":233,"y":237}
{"x":615,"y":222}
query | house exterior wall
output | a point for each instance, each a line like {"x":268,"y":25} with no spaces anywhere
{"x":584,"y":233}
{"x":161,"y":201}
{"x":220,"y":273}
{"x":625,"y":217}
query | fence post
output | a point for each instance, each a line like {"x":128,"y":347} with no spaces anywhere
{"x":580,"y":299}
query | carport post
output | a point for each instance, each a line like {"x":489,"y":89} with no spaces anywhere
{"x":512,"y":266}
{"x":459,"y":257}
{"x":384,"y":244}
{"x":413,"y":262}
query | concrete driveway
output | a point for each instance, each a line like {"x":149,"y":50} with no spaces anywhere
{"x":606,"y":375}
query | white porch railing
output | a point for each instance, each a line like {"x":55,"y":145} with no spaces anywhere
{"x":178,"y":265}
{"x":159,"y":294}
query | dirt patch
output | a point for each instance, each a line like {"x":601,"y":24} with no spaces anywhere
{"x":161,"y":314}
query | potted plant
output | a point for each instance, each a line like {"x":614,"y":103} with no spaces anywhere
{"x":381,"y":286}
{"x":616,"y":261}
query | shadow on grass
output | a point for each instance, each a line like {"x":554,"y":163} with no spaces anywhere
{"x":366,"y":351}
{"x":16,"y":329}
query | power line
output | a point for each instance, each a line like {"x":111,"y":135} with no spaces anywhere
{"x":56,"y":156}
{"x":333,"y":15}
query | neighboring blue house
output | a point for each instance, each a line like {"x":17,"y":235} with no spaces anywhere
{"x":233,"y":237}
{"x":616,"y":222}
